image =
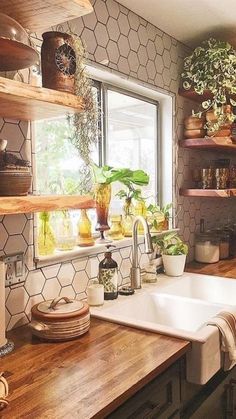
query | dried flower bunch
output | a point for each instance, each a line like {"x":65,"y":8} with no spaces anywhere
{"x":212,"y":67}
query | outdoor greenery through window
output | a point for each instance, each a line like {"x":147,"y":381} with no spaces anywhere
{"x":128,"y":138}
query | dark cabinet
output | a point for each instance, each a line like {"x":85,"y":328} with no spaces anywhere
{"x":158,"y":399}
{"x":170,"y":396}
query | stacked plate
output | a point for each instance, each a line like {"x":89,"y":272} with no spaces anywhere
{"x":60,"y":319}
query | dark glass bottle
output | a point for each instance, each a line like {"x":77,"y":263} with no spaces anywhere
{"x":108,"y":276}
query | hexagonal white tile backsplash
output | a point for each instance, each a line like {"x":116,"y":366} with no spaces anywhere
{"x":119,"y":39}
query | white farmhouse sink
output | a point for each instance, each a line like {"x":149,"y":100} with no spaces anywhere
{"x":203,"y":287}
{"x":179,"y":307}
{"x":166,"y":314}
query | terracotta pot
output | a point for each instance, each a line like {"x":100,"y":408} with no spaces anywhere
{"x":211,"y":117}
{"x":220,"y":133}
{"x":193,"y":122}
{"x":58,"y":62}
{"x":194,"y":133}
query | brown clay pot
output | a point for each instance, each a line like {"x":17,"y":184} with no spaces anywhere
{"x":211,"y":117}
{"x":193,"y":122}
{"x":194,"y":133}
{"x":14,"y":183}
{"x":220,"y":133}
{"x":58,"y":62}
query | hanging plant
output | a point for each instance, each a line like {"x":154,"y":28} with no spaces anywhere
{"x":212,"y":67}
{"x":84,"y":125}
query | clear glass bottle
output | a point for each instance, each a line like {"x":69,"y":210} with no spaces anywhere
{"x":108,"y":276}
{"x":46,"y":237}
{"x":116,"y":230}
{"x":65,"y":237}
{"x":85,"y":237}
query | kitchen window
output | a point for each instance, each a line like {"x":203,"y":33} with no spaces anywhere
{"x":128,"y":138}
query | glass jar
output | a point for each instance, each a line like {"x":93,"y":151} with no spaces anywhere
{"x":207,"y":248}
{"x":65,"y":238}
{"x":46,"y":238}
{"x":229,"y":229}
{"x":224,"y":240}
{"x":116,"y":230}
{"x":85,"y":237}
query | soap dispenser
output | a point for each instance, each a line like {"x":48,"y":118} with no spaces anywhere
{"x":108,"y":275}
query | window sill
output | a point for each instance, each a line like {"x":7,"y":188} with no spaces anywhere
{"x":80,"y":252}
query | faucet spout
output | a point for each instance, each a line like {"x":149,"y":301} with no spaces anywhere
{"x":135,"y":272}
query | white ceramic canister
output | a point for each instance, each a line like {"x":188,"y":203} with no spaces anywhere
{"x":95,"y":294}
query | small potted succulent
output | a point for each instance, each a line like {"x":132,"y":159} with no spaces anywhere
{"x":174,"y":252}
{"x":212,"y":67}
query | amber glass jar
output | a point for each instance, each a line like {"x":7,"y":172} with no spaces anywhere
{"x":85,"y":237}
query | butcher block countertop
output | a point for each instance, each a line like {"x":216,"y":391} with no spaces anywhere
{"x":84,"y":378}
{"x":224,"y":268}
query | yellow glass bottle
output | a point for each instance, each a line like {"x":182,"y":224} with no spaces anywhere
{"x":140,"y":209}
{"x":116,"y":230}
{"x":127,"y":220}
{"x":85,"y":237}
{"x":46,"y":238}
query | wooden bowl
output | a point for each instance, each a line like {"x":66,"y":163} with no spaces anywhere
{"x":14,"y":183}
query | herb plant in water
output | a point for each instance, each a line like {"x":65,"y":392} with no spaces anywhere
{"x":46,"y":238}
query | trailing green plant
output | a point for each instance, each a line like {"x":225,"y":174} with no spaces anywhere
{"x":212,"y":67}
{"x":171,"y":244}
{"x":84,"y":132}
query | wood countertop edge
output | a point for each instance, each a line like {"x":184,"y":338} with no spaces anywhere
{"x":155,"y":353}
{"x":140,"y":384}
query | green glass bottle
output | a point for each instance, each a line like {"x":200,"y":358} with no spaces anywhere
{"x":46,"y":238}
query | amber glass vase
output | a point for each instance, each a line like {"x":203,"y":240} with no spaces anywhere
{"x":102,"y":195}
{"x":85,"y":237}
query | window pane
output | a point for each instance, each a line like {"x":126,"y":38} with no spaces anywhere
{"x":132,"y":136}
{"x":58,"y":164}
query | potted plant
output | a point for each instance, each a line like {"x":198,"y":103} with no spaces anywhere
{"x":103,"y":178}
{"x":174,"y":252}
{"x":130,"y":194}
{"x":212,"y":67}
{"x":158,"y":217}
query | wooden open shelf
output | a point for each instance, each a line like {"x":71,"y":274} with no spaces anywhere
{"x":213,"y":143}
{"x":208,"y":193}
{"x":38,"y":203}
{"x":22,"y":101}
{"x":37,"y":15}
{"x":192,"y":95}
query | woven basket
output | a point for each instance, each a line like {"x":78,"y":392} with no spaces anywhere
{"x":14,"y":183}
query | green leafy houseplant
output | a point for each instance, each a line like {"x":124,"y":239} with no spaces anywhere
{"x":212,"y":67}
{"x":171,"y":245}
{"x":159,"y":216}
{"x":107,"y":175}
{"x":174,"y":252}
